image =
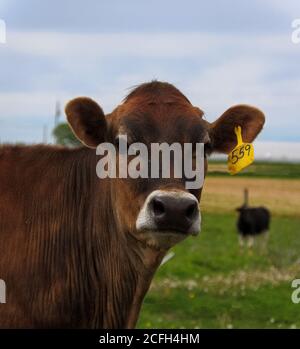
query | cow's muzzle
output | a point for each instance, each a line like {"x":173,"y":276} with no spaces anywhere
{"x":173,"y":212}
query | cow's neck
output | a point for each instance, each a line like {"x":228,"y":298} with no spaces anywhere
{"x":129,"y":267}
{"x":117,"y":268}
{"x":150,"y":260}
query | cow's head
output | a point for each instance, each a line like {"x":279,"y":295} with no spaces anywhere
{"x":159,"y":212}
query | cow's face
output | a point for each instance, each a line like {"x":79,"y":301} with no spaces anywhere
{"x":159,"y":211}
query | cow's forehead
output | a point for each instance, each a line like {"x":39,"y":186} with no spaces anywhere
{"x":169,"y":121}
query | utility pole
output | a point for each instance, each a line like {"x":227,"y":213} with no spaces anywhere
{"x":45,"y":134}
{"x":57,"y":113}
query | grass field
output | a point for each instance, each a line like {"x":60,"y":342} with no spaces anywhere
{"x":211,"y":283}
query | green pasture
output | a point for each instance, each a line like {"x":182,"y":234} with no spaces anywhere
{"x":212,"y":283}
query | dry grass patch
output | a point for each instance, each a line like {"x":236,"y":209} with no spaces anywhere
{"x":240,"y":279}
{"x":282,"y":197}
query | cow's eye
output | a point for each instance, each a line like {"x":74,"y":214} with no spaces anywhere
{"x":208,"y":148}
{"x":116,"y":142}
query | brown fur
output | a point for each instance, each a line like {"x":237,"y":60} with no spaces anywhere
{"x":69,"y":252}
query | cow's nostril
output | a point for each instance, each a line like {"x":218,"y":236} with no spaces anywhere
{"x":174,"y":212}
{"x":191,"y":210}
{"x":158,"y":207}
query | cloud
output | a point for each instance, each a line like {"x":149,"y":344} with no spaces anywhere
{"x":15,"y":106}
{"x":153,"y":16}
{"x":215,"y":70}
{"x":290,"y":7}
{"x":163,"y":45}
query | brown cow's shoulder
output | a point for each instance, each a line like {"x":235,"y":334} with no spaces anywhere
{"x":62,"y":256}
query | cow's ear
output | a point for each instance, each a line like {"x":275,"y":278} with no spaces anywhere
{"x":87,"y":121}
{"x":222,"y":132}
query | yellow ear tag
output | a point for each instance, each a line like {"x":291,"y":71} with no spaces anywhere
{"x":242,"y":155}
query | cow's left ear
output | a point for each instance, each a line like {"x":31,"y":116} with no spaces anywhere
{"x":87,"y":121}
{"x":222,"y":132}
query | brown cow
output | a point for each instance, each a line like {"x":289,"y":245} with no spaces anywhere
{"x":77,"y":251}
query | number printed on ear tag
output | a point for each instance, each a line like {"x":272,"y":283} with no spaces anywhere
{"x":242,"y":155}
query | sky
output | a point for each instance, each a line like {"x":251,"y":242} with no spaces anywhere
{"x":218,"y":53}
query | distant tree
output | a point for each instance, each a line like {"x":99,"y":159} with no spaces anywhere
{"x":64,"y":136}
